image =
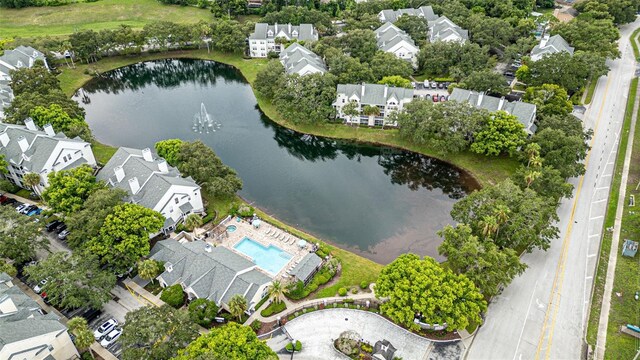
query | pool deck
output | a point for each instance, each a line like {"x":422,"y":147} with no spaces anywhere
{"x":276,"y":237}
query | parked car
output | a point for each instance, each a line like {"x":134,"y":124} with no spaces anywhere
{"x":52,"y":225}
{"x":63,"y":235}
{"x":428,"y":96}
{"x":111,"y":338}
{"x":21,"y":207}
{"x":426,"y":84}
{"x":11,"y":201}
{"x":45,"y":298}
{"x":39,"y":286}
{"x":60,"y":228}
{"x":443,"y":98}
{"x":105,"y":328}
{"x":27,"y":209}
{"x":3,"y":198}
{"x":434,"y":85}
{"x":91,"y":314}
{"x":36,"y":211}
{"x":440,"y":85}
{"x":508,"y":73}
{"x":435,"y":98}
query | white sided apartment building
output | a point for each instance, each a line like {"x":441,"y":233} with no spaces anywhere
{"x":387,"y":99}
{"x":263,"y":39}
{"x":393,"y":40}
{"x":152,"y":183}
{"x":28,"y":149}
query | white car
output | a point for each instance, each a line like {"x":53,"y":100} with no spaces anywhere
{"x":111,"y":338}
{"x":39,"y":286}
{"x":19,"y":208}
{"x":105,"y":328}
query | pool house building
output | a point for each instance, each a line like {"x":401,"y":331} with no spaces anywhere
{"x":210,"y":272}
{"x":306,"y":268}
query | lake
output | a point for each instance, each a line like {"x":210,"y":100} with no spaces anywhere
{"x":377,"y":201}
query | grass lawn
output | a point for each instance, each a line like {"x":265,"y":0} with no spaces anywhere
{"x":99,"y":15}
{"x":591,"y":88}
{"x":605,"y":246}
{"x":102,"y":152}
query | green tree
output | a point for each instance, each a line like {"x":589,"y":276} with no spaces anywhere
{"x":168,"y":150}
{"x":20,"y":237}
{"x":397,"y":81}
{"x":73,"y":280}
{"x":69,"y":189}
{"x":490,"y":31}
{"x":156,"y":333}
{"x":482,"y":262}
{"x":386,"y":64}
{"x":446,"y":127}
{"x":549,"y":99}
{"x":149,"y":269}
{"x":530,"y":219}
{"x":7,"y":268}
{"x":173,"y":296}
{"x":547,"y":180}
{"x":562,"y":151}
{"x":351,"y":110}
{"x":453,"y":58}
{"x":502,"y":133}
{"x":3,"y":165}
{"x":199,"y":161}
{"x":193,"y":221}
{"x":562,"y":69}
{"x":269,"y":79}
{"x":415,"y":26}
{"x":85,"y":45}
{"x":228,"y":36}
{"x":276,"y":291}
{"x":203,"y":312}
{"x":421,"y":286}
{"x":31,"y":180}
{"x":85,"y":224}
{"x":228,"y":7}
{"x":486,"y":81}
{"x":347,"y":69}
{"x":61,"y":121}
{"x":124,"y":236}
{"x":83,"y":335}
{"x":361,"y":44}
{"x":237,"y":306}
{"x":233,"y":340}
{"x":307,"y":99}
{"x":588,"y":34}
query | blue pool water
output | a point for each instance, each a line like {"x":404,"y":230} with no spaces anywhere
{"x":271,"y":259}
{"x":231,"y":228}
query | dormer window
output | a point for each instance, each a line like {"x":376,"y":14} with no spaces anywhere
{"x":269,"y":33}
{"x":294,"y":33}
{"x":168,"y":266}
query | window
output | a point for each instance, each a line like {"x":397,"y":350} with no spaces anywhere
{"x":177,"y":200}
{"x":344,"y":101}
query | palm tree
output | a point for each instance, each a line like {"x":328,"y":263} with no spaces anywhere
{"x":84,"y":336}
{"x":371,"y":111}
{"x":489,"y":226}
{"x":351,"y":110}
{"x":532,"y":151}
{"x":192,"y":222}
{"x":502,"y":215}
{"x":31,"y":180}
{"x":148,"y":269}
{"x":237,"y":306}
{"x":531,"y":176}
{"x":276,"y":291}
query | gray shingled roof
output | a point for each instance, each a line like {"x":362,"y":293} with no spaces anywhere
{"x":305,"y":32}
{"x":27,"y":321}
{"x":388,"y":35}
{"x":393,"y":15}
{"x":209,"y":274}
{"x":306,"y":267}
{"x":295,"y":57}
{"x":522,"y":110}
{"x":40,"y":146}
{"x":153,"y":183}
{"x":441,"y":28}
{"x":374,"y":94}
{"x":554,"y":44}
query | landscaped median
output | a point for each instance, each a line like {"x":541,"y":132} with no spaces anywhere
{"x":487,"y":170}
{"x":624,"y":307}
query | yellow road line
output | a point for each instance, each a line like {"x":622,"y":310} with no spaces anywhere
{"x":558,"y":280}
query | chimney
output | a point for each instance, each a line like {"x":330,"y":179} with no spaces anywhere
{"x":168,"y":266}
{"x":24,"y":144}
{"x":480,"y":97}
{"x":119,"y":171}
{"x":386,"y":87}
{"x":146,"y":155}
{"x":163,"y":167}
{"x":30,"y":124}
{"x":134,"y":185}
{"x":276,"y":32}
{"x":501,"y":103}
{"x":207,"y":248}
{"x":362,"y":92}
{"x":4,"y":139}
{"x":544,"y":40}
{"x":49,"y":130}
{"x":289,"y":28}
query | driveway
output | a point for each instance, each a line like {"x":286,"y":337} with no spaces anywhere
{"x":317,"y":331}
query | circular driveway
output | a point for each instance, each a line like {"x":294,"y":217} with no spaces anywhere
{"x":317,"y":331}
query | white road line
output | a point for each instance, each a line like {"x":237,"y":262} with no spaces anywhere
{"x":598,"y":201}
{"x":593,"y":235}
{"x":596,"y":217}
{"x":591,"y":255}
{"x":602,"y":188}
{"x":589,"y":277}
{"x":525,"y":320}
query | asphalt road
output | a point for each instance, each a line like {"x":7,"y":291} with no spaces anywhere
{"x":542,"y":314}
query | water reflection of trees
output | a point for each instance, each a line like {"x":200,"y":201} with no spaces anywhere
{"x":403,"y":167}
{"x":168,"y":73}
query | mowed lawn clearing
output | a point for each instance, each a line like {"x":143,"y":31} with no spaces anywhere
{"x":102,"y":14}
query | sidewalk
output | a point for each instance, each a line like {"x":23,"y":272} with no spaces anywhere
{"x":142,"y":294}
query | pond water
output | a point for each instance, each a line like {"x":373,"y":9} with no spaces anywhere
{"x":376,"y":201}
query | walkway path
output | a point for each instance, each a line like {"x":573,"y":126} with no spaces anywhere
{"x":617,"y":226}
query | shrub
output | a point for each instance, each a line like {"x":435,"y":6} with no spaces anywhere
{"x":366,"y":348}
{"x":354,"y":290}
{"x":290,"y":347}
{"x":273,"y":308}
{"x":342,"y":291}
{"x":203,"y":312}
{"x":173,"y":296}
{"x":256,"y":325}
{"x":8,"y":186}
{"x":245,"y":210}
{"x":364,"y":285}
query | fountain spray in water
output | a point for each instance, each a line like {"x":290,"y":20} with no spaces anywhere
{"x":203,"y":122}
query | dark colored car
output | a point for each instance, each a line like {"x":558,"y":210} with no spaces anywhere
{"x":52,"y":225}
{"x":60,"y":228}
{"x":11,"y":201}
{"x":3,"y":199}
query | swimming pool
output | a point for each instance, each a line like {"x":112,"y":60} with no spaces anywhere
{"x":231,"y":228}
{"x":271,"y":259}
